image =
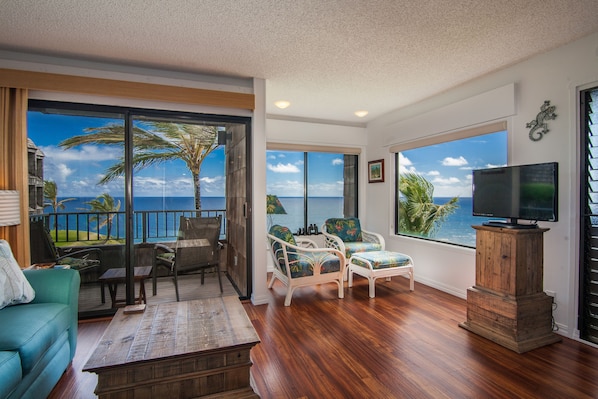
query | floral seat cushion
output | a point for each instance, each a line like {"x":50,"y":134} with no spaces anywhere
{"x":380,"y":259}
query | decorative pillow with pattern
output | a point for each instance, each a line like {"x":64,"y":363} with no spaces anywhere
{"x":285,"y":234}
{"x":347,"y":229}
{"x":14,"y":287}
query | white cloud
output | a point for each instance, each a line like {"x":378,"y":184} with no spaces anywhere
{"x":333,"y":189}
{"x":337,"y":162}
{"x":403,"y":160}
{"x":210,"y":180}
{"x":433,"y":173}
{"x":446,"y":181}
{"x":489,"y":165}
{"x":283,"y":168}
{"x":449,"y":161}
{"x":287,"y":188}
{"x":405,"y":165}
{"x":212,"y":185}
{"x":62,"y":172}
{"x":85,"y":153}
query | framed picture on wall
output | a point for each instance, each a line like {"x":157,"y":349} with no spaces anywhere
{"x":376,"y":171}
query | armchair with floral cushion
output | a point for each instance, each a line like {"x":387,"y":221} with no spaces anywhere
{"x":299,"y":263}
{"x":347,"y":235}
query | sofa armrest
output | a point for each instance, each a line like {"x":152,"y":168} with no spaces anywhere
{"x":58,"y":286}
{"x":54,"y":285}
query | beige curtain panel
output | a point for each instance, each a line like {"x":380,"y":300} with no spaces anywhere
{"x":13,"y":169}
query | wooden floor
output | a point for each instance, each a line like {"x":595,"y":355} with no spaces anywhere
{"x":397,"y":345}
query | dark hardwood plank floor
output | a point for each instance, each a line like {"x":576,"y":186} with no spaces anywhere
{"x":400,"y":344}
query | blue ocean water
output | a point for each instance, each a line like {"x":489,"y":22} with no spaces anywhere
{"x":155,"y":227}
{"x":456,"y":228}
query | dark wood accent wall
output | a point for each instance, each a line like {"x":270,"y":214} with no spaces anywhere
{"x":236,"y":208}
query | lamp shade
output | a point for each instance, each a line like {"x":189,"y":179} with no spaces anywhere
{"x":10,"y":208}
{"x":273,"y":206}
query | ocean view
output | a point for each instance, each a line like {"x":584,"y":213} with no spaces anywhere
{"x":456,"y":229}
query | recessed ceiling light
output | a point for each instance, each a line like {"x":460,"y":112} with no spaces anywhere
{"x":361,"y":114}
{"x":282,"y":104}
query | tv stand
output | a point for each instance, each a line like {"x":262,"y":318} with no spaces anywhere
{"x":508,"y":304}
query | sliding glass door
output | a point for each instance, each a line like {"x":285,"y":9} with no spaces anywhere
{"x":76,"y":211}
{"x":119,"y":179}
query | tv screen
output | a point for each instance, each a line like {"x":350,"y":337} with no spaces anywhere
{"x":527,"y":192}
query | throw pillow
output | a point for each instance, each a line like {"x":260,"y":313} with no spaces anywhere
{"x":14,"y":287}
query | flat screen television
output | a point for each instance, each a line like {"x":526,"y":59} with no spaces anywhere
{"x":520,"y":192}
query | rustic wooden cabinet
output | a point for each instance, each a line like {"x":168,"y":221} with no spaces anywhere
{"x":508,"y":304}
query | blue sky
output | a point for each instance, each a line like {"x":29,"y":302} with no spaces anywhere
{"x":448,"y":166}
{"x":79,"y":170}
{"x":285,"y":174}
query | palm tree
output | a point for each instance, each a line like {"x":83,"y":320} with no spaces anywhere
{"x":418,"y":214}
{"x":169,"y":141}
{"x":104,"y":203}
{"x":51,"y":194}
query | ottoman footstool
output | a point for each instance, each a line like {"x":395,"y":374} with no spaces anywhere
{"x":376,"y":264}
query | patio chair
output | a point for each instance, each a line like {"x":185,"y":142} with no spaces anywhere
{"x":87,"y":260}
{"x":299,"y":263}
{"x":197,"y":249}
{"x":346,"y":235}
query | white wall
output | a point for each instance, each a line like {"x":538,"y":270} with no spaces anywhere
{"x":556,"y":76}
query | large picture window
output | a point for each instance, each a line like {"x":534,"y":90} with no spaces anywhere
{"x":434,"y":189}
{"x":311,"y":187}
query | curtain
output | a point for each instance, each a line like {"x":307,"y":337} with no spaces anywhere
{"x":13,"y":166}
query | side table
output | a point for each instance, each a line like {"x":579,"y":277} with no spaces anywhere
{"x":115,"y":276}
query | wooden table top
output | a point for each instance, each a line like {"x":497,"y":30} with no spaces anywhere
{"x":119,"y":273}
{"x":173,"y":329}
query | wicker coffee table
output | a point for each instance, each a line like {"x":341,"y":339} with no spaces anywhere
{"x":177,"y":350}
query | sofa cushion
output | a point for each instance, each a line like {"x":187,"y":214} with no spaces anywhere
{"x":10,"y":372}
{"x":31,"y":329}
{"x":347,"y":229}
{"x":14,"y":287}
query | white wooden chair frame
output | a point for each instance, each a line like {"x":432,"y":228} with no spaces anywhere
{"x":334,"y":241}
{"x":320,"y":255}
{"x":372,"y":274}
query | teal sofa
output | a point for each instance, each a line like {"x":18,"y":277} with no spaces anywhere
{"x":38,"y":339}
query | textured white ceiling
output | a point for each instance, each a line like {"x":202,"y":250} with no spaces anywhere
{"x":329,"y":58}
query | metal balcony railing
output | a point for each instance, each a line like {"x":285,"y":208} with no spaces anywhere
{"x":148,"y":226}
